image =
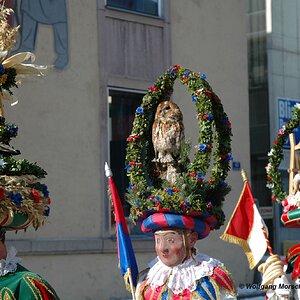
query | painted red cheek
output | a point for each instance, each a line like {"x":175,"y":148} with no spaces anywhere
{"x":177,"y":251}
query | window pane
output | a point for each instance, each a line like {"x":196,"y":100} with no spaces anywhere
{"x":122,"y":108}
{"x":149,"y":7}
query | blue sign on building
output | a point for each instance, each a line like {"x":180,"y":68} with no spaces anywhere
{"x":236,"y":166}
{"x":285,"y":108}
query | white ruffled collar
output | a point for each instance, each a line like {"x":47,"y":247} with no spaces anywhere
{"x":10,"y":264}
{"x":183,"y":276}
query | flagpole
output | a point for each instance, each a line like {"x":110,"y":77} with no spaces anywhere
{"x":131,"y":285}
{"x":244,"y":176}
{"x":108,"y":174}
{"x":268,"y":242}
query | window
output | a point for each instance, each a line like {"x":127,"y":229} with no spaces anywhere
{"x":122,"y":106}
{"x":149,"y":7}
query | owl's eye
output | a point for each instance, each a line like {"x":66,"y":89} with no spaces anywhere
{"x":167,"y":108}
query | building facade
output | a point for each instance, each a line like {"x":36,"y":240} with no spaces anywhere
{"x":76,"y":118}
{"x":273,"y":56}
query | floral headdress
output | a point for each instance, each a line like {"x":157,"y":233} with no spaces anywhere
{"x":192,"y":201}
{"x":290,"y":203}
{"x":23,"y":199}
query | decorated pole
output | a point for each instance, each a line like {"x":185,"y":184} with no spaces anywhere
{"x":126,"y":255}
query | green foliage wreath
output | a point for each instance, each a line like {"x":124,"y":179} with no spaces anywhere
{"x":274,"y":181}
{"x":192,"y":193}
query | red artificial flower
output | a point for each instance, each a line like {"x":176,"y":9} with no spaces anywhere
{"x":192,"y":174}
{"x":132,"y":138}
{"x":152,"y":88}
{"x":36,"y":195}
{"x":2,"y":195}
{"x":276,"y":142}
{"x":211,"y":180}
{"x":199,"y":92}
{"x":208,"y":93}
{"x":183,"y":205}
{"x":156,"y":171}
{"x":49,"y":201}
{"x":268,"y":177}
{"x":175,"y":190}
{"x":273,"y":198}
{"x":176,"y":67}
{"x":200,"y":179}
{"x":281,"y":132}
{"x":132,"y":163}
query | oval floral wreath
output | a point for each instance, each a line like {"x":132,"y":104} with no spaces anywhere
{"x":191,"y":194}
{"x":274,"y":181}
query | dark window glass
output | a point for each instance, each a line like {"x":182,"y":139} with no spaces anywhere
{"x":122,"y":106}
{"x":149,"y":7}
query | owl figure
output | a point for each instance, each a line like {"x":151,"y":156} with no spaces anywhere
{"x":167,"y":136}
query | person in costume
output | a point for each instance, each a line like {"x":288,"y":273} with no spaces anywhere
{"x":16,"y":282}
{"x":24,"y":200}
{"x":169,"y":195}
{"x":282,"y":276}
{"x":179,"y":272}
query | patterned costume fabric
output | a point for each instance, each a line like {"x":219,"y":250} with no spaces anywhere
{"x":201,"y":277}
{"x":16,"y":282}
{"x":25,"y":285}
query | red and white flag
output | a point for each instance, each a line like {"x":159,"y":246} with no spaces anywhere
{"x":247,"y":229}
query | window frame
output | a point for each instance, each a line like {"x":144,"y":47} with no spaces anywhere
{"x":109,"y":221}
{"x":159,"y":10}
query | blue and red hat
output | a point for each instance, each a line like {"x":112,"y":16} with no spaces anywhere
{"x":202,"y":223}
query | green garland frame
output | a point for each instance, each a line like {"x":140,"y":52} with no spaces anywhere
{"x":191,"y":193}
{"x":274,"y":181}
